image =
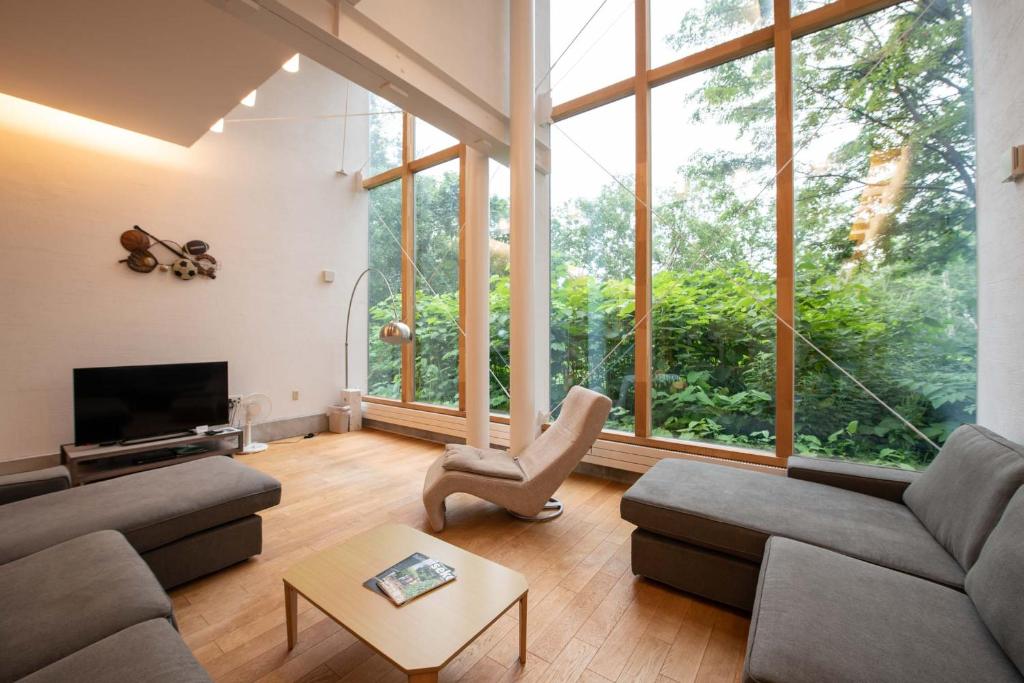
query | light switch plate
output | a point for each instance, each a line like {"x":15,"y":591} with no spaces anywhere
{"x":327,"y":275}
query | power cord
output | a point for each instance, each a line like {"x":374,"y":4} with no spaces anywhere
{"x":293,"y":440}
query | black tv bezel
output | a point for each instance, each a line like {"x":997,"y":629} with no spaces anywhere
{"x":148,"y":436}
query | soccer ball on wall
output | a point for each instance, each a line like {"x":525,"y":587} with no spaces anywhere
{"x":192,"y":260}
{"x":184,"y":268}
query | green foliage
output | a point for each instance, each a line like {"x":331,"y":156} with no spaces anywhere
{"x":899,"y":316}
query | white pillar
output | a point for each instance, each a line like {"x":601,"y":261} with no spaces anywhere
{"x":522,"y":105}
{"x":477,"y":265}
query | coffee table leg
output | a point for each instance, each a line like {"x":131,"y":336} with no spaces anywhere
{"x":429,"y":677}
{"x":522,"y":629}
{"x":291,"y":614}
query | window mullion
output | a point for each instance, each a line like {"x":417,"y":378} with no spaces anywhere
{"x":784,"y":226}
{"x":408,"y":256}
{"x":642,"y":280}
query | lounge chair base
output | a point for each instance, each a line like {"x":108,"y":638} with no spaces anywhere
{"x":553,"y":508}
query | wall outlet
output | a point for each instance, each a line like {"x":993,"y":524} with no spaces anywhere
{"x":234,"y":400}
{"x":295,"y":395}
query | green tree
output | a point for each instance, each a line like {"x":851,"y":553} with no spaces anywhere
{"x":899,"y":313}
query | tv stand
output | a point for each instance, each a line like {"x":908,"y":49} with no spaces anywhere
{"x":152,"y":439}
{"x":97,"y":462}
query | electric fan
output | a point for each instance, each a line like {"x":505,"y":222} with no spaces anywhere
{"x":255,"y":406}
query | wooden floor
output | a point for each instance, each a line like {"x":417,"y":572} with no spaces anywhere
{"x":590,"y":619}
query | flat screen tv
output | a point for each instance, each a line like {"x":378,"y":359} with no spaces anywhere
{"x":137,"y":402}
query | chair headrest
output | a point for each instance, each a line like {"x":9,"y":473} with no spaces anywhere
{"x":584,"y":411}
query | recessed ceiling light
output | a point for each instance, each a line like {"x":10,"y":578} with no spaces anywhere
{"x":250,"y":99}
{"x":292,"y":65}
{"x":218,"y":127}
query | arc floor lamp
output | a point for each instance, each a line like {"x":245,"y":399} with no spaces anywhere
{"x":393,"y":332}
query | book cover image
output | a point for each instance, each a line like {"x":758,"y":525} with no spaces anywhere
{"x":410,"y":578}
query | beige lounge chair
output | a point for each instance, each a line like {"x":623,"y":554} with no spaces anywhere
{"x":522,"y":485}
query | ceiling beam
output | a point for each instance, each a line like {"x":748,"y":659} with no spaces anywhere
{"x":344,"y":40}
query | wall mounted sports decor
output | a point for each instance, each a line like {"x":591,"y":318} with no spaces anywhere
{"x":189,"y":261}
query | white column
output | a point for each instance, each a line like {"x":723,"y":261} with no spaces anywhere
{"x":522,"y":105}
{"x":477,"y":265}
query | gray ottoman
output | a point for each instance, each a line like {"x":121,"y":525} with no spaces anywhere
{"x":185,"y":520}
{"x":702,"y":528}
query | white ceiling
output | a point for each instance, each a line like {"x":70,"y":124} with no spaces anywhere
{"x":165,"y":68}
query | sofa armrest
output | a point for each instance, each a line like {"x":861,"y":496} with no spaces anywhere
{"x":881,"y":482}
{"x":28,"y":484}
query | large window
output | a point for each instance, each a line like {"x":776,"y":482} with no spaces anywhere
{"x":885,"y":245}
{"x":415,"y":242}
{"x":384,"y":367}
{"x":591,"y":45}
{"x":437,"y":284}
{"x":713,"y":255}
{"x":385,"y":136}
{"x":592,"y":244}
{"x":499,"y":184}
{"x":775,"y":224}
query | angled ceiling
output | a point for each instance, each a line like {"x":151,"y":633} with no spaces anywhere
{"x":165,"y":68}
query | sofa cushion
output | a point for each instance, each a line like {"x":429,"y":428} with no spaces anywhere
{"x":150,"y":508}
{"x":888,"y":483}
{"x":996,"y":581}
{"x":150,"y":652}
{"x":962,"y":494}
{"x":823,"y":616}
{"x":14,"y":487}
{"x":734,"y":511}
{"x":71,"y":595}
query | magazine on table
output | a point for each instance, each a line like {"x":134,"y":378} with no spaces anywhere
{"x":411,"y":578}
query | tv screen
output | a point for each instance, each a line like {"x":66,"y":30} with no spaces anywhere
{"x":141,"y":401}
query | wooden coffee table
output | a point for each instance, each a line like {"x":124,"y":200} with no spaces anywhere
{"x":423,"y":635}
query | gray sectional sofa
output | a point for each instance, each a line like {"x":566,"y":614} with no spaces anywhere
{"x":852,"y":572}
{"x":83,"y":570}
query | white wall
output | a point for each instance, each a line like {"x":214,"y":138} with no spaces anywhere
{"x":264,"y":195}
{"x":466,"y":38}
{"x":999,"y":72}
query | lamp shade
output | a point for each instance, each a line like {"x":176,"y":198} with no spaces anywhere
{"x":395,"y":332}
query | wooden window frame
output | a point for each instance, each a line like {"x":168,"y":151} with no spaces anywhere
{"x":778,"y":36}
{"x":405,"y":173}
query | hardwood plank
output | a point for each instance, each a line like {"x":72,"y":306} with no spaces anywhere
{"x":321,"y":674}
{"x":570,"y":664}
{"x":312,"y":659}
{"x":560,"y":631}
{"x":349,"y":659}
{"x":617,"y":649}
{"x":376,"y":668}
{"x":590,"y":619}
{"x":687,"y":651}
{"x":645,"y":663}
{"x":724,"y":654}
{"x":485,"y":670}
{"x":600,"y":624}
